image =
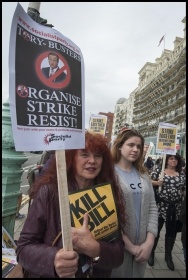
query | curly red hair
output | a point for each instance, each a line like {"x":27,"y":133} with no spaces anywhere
{"x":93,"y":143}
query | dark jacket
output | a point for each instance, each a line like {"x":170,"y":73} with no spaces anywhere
{"x":34,"y":250}
{"x":149,"y":163}
{"x":61,"y":77}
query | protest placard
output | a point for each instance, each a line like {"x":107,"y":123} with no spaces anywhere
{"x":166,"y":139}
{"x":99,"y":202}
{"x":166,"y":142}
{"x":46,"y":105}
{"x":46,"y":108}
{"x":97,"y":123}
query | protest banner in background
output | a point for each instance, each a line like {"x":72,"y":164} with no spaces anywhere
{"x":166,"y":139}
{"x":99,"y":202}
{"x":166,"y":143}
{"x":47,"y":112}
{"x":97,"y":123}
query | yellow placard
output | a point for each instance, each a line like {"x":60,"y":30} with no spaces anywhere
{"x":166,"y":138}
{"x":99,"y":202}
{"x":97,"y":124}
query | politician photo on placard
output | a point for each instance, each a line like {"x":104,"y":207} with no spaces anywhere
{"x":54,"y":68}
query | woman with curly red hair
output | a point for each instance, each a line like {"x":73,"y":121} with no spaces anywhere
{"x":85,"y":168}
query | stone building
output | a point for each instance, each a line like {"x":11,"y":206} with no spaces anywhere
{"x":161,"y":93}
{"x":159,"y":97}
{"x":123,"y":114}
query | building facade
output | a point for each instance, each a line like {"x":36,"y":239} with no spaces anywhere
{"x":159,"y":97}
{"x":119,"y":116}
{"x":161,"y":94}
{"x":123,"y":114}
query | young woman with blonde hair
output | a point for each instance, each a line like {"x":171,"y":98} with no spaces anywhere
{"x":141,"y":212}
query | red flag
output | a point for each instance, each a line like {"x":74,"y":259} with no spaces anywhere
{"x":161,"y":40}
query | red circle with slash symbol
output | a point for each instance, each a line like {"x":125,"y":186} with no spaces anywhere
{"x":50,"y":81}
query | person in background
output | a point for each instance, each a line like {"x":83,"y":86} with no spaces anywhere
{"x":36,"y":169}
{"x":149,"y":164}
{"x":183,"y":220}
{"x":158,"y":163}
{"x":169,"y":191}
{"x":141,"y":210}
{"x":86,"y":167}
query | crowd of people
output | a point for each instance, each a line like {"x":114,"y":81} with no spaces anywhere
{"x":144,"y":201}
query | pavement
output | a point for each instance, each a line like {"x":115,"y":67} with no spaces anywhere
{"x":159,"y":270}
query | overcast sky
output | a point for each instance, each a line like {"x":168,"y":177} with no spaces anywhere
{"x":116,"y":40}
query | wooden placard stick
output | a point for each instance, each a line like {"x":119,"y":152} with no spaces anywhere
{"x":64,"y":200}
{"x":162,"y":170}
